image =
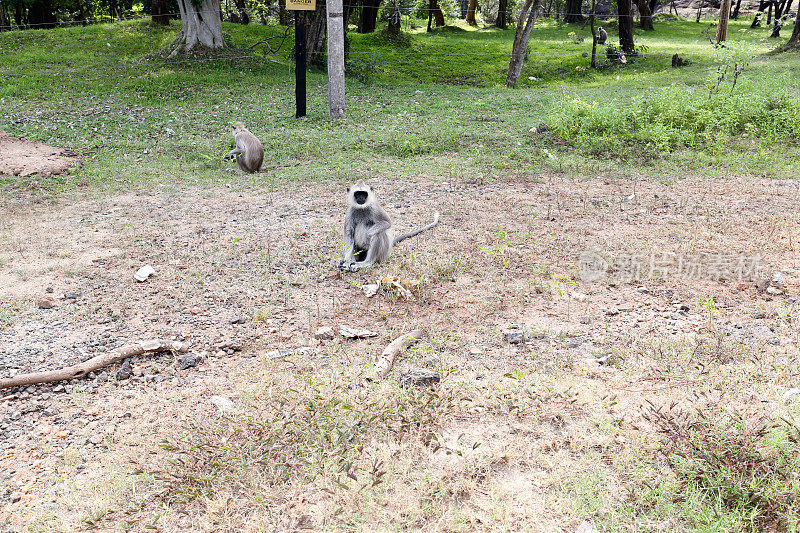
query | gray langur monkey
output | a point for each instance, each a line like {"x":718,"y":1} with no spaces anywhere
{"x":249,"y":152}
{"x":602,"y":35}
{"x":368,"y":230}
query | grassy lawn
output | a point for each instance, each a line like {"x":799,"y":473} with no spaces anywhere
{"x":664,"y":404}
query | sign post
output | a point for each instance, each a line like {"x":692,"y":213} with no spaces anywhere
{"x":335,"y":58}
{"x":299,"y":6}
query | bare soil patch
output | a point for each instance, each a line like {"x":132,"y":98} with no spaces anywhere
{"x":242,"y":273}
{"x":21,"y":157}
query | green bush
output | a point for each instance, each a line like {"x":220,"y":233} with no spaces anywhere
{"x":673,"y":117}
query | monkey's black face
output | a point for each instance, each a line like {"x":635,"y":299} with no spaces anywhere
{"x":360,"y":197}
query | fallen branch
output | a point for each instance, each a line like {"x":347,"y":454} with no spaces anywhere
{"x":81,"y":369}
{"x":386,"y":359}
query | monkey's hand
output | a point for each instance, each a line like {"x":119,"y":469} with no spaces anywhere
{"x":234,"y":153}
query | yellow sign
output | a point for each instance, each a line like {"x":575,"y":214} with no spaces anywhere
{"x":301,"y":5}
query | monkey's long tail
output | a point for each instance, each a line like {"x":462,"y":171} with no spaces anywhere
{"x":416,"y":232}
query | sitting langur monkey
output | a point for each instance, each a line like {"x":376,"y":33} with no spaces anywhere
{"x":368,"y":230}
{"x":602,"y":35}
{"x":249,"y":152}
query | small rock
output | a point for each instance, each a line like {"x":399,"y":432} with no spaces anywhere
{"x":15,"y":497}
{"x":222,"y":403}
{"x":475,"y":351}
{"x":187,"y":360}
{"x":584,"y":320}
{"x":124,"y":371}
{"x":643,"y":290}
{"x":238,"y":319}
{"x":59,"y":388}
{"x":71,"y":296}
{"x":419,"y":377}
{"x":774,"y":291}
{"x":791,"y":395}
{"x":611,"y":311}
{"x":758,"y":315}
{"x":586,"y":527}
{"x":431,"y":360}
{"x":277,"y":354}
{"x":514,"y":335}
{"x":96,"y":439}
{"x":45,"y":303}
{"x":370,"y":289}
{"x":354,"y":333}
{"x":49,"y":290}
{"x":143,"y":273}
{"x":325,"y":333}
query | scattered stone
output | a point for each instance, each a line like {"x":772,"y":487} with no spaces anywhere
{"x":758,"y":315}
{"x":15,"y":497}
{"x":514,"y":335}
{"x":124,"y":371}
{"x":541,"y":128}
{"x":222,"y":403}
{"x":325,"y":333}
{"x":585,"y":526}
{"x":370,"y":289}
{"x":791,"y":395}
{"x":774,"y":291}
{"x":49,"y":290}
{"x":143,"y":273}
{"x":187,"y":360}
{"x":59,"y":388}
{"x":278,"y":354}
{"x":419,"y":377}
{"x":354,"y":333}
{"x":45,"y":303}
{"x":643,"y":290}
{"x":72,"y":296}
{"x":611,"y":311}
{"x":238,"y":319}
{"x":475,"y":351}
{"x":431,"y":360}
{"x":584,"y":320}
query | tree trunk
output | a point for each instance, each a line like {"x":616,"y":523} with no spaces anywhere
{"x":653,"y":4}
{"x":593,"y":64}
{"x":521,"y":37}
{"x":573,"y":11}
{"x":435,"y":13}
{"x":283,"y":16}
{"x":369,"y":16}
{"x":19,"y":14}
{"x":645,"y":15}
{"x":722,"y":27}
{"x":769,"y":13}
{"x":699,"y":10}
{"x":159,"y":13}
{"x":40,"y":14}
{"x":315,"y":35}
{"x":625,"y":26}
{"x":757,"y":18}
{"x":335,"y":19}
{"x":244,"y":18}
{"x":393,"y":27}
{"x":473,"y":6}
{"x":780,"y":21}
{"x":202,"y":27}
{"x":5,"y":21}
{"x":735,"y":14}
{"x":794,"y":40}
{"x":502,"y":15}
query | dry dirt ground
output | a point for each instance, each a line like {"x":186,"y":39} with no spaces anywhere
{"x":21,"y":157}
{"x":242,"y":272}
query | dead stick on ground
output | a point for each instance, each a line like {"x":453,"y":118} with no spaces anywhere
{"x":81,"y":369}
{"x":386,"y":360}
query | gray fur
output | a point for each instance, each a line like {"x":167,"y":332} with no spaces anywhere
{"x":249,"y":152}
{"x":368,"y":230}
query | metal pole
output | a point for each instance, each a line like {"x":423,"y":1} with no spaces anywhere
{"x":300,"y":62}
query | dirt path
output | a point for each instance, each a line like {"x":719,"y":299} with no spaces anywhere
{"x":242,"y":273}
{"x":21,"y":157}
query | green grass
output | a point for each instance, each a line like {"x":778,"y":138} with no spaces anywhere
{"x":436,"y":107}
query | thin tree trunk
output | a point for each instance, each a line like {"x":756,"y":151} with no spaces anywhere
{"x":735,"y":14}
{"x":244,"y":18}
{"x":316,"y":32}
{"x":19,"y":15}
{"x":722,"y":26}
{"x":780,"y":21}
{"x":527,"y":17}
{"x":794,"y":40}
{"x":757,"y":18}
{"x":625,"y":26}
{"x":40,"y":14}
{"x":283,"y":17}
{"x":645,"y":15}
{"x":202,"y":27}
{"x":594,"y":37}
{"x":769,"y":14}
{"x":699,"y":10}
{"x":472,"y":7}
{"x":502,"y":15}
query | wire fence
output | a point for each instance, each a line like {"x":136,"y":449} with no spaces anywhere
{"x":276,"y":11}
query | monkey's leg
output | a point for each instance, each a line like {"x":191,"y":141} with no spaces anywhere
{"x":378,"y":246}
{"x":347,"y":258}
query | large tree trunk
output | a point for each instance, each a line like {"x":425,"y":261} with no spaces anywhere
{"x":159,"y":12}
{"x":473,"y":6}
{"x":369,"y":16}
{"x":527,"y":17}
{"x":573,"y":11}
{"x":202,"y":27}
{"x":502,"y":14}
{"x":40,"y":14}
{"x":283,"y":16}
{"x":794,"y":40}
{"x":316,"y":32}
{"x":5,"y":20}
{"x":722,"y":27}
{"x":625,"y":26}
{"x":645,"y":15}
{"x":757,"y":18}
{"x":779,"y":22}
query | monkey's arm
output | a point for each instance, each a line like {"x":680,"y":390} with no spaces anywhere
{"x":348,"y":257}
{"x":378,"y":228}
